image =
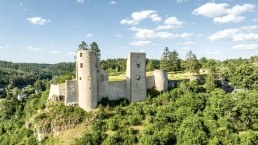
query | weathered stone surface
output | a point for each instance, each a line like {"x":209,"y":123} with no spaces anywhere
{"x":91,"y":84}
{"x":136,"y":76}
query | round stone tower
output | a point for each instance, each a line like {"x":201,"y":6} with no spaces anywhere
{"x":161,"y":79}
{"x":86,"y":64}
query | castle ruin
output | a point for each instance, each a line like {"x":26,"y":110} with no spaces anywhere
{"x":91,"y":83}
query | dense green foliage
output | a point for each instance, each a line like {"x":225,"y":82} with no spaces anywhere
{"x":180,"y":117}
{"x":192,"y":113}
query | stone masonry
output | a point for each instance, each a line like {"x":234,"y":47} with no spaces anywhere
{"x":91,"y":83}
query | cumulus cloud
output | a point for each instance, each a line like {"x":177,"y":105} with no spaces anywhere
{"x":238,"y":34}
{"x":245,"y":47}
{"x":169,"y":23}
{"x":137,"y":17}
{"x":38,"y":20}
{"x":253,"y":27}
{"x":151,"y":34}
{"x":144,"y":34}
{"x":228,"y":19}
{"x":224,"y":34}
{"x":30,"y":48}
{"x":223,"y":13}
{"x":186,"y":35}
{"x":211,"y":10}
{"x":140,"y":43}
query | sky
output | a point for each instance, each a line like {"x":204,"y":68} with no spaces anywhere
{"x":49,"y":31}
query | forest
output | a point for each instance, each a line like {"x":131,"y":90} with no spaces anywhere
{"x":197,"y":112}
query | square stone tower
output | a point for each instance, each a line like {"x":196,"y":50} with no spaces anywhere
{"x":136,"y":77}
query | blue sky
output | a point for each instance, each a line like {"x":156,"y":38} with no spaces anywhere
{"x":48,"y":31}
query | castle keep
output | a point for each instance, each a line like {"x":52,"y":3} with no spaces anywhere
{"x":91,"y":83}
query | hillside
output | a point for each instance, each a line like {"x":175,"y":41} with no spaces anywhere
{"x":197,"y":112}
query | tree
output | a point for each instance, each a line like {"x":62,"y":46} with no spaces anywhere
{"x":192,"y":131}
{"x":164,"y":59}
{"x":174,"y":62}
{"x":94,"y":47}
{"x":83,"y":46}
{"x":210,"y":82}
{"x":191,"y":63}
{"x":150,"y":65}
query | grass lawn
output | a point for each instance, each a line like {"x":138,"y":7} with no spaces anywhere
{"x":171,"y":75}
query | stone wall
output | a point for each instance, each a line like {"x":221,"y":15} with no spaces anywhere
{"x":71,"y":92}
{"x":150,"y":83}
{"x":172,"y":83}
{"x":117,"y":90}
{"x":57,"y":92}
{"x":102,"y":84}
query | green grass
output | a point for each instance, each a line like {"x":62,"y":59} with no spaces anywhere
{"x":171,"y":75}
{"x":116,"y":78}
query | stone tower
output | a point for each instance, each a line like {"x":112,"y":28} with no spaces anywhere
{"x":136,"y":77}
{"x":86,"y":66}
{"x":161,"y":79}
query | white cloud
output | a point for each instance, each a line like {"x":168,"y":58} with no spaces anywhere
{"x":222,"y":13}
{"x":80,"y":1}
{"x":54,"y":51}
{"x":1,"y":47}
{"x":235,"y":34}
{"x":170,"y":23}
{"x":186,"y":35}
{"x":88,"y":35}
{"x":113,"y":2}
{"x":239,"y":9}
{"x":245,"y":47}
{"x":224,"y":34}
{"x":253,"y":27}
{"x":211,"y":10}
{"x":30,"y":48}
{"x":151,"y":34}
{"x":245,"y":37}
{"x":140,"y":43}
{"x":228,"y":19}
{"x":119,"y":36}
{"x":137,"y":17}
{"x":173,"y":21}
{"x":38,"y":20}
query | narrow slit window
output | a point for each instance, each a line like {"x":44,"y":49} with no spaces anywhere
{"x":80,"y":78}
{"x":81,"y":65}
{"x":138,"y":65}
{"x":138,"y":77}
{"x":80,"y":54}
